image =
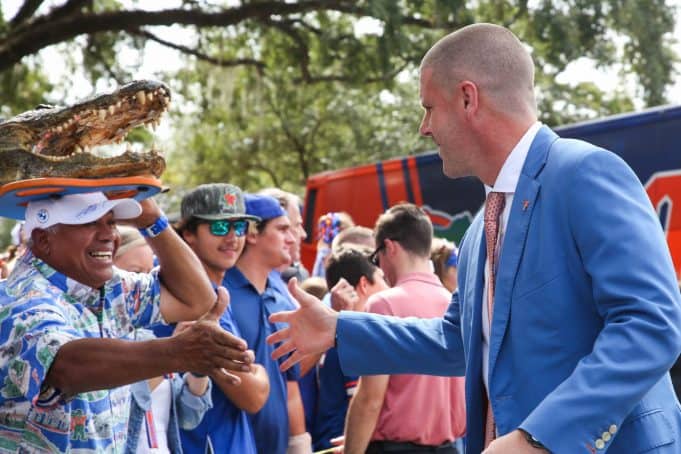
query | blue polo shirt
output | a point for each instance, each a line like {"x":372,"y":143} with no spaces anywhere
{"x":335,"y":391}
{"x":225,"y":427}
{"x":251,"y":311}
{"x":308,"y":382}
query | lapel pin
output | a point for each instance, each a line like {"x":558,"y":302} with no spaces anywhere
{"x":526,"y":203}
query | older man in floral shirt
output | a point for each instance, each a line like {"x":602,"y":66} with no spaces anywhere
{"x":66,"y":314}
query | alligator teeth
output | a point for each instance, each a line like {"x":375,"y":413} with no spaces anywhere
{"x":102,"y":114}
{"x":112,"y":110}
{"x":141,"y":97}
{"x":166,"y":100}
{"x":150,"y":96}
{"x":59,"y":129}
{"x":119,"y":104}
{"x":77,"y":149}
{"x":86,"y":149}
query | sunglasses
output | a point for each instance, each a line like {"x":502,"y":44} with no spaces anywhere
{"x":222,"y":227}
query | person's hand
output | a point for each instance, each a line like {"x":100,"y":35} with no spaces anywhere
{"x":150,"y":212}
{"x":514,"y":442}
{"x":311,"y":330}
{"x":343,"y":296}
{"x":205,"y":348}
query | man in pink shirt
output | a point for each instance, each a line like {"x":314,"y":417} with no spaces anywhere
{"x":406,"y":413}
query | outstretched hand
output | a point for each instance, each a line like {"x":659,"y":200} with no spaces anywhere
{"x":311,"y":328}
{"x":204,"y":347}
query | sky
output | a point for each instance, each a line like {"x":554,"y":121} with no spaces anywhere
{"x":157,"y":56}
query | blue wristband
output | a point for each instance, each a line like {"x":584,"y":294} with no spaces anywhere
{"x":156,"y":228}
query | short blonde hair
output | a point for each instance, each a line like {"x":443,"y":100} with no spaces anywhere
{"x":493,"y":58}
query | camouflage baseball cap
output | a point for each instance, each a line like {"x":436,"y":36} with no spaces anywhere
{"x":215,"y":201}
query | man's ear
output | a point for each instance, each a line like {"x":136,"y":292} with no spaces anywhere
{"x":469,"y":95}
{"x":189,"y":237}
{"x":391,"y":247}
{"x":41,"y":243}
{"x":252,"y":236}
{"x":362,"y":286}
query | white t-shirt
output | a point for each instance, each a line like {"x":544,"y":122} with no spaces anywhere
{"x":160,"y":410}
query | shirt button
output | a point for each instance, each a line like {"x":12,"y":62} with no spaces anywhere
{"x":600,"y":444}
{"x":612,"y":429}
{"x":606,"y":436}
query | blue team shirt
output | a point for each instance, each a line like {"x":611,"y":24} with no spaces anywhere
{"x":308,"y":382}
{"x":335,"y":391}
{"x":251,"y":310}
{"x":225,"y":427}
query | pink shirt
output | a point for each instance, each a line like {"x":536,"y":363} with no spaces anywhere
{"x":420,"y":409}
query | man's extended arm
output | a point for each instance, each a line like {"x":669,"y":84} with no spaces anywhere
{"x":91,"y":364}
{"x":370,"y":344}
{"x":187,"y":293}
{"x":363,"y":412}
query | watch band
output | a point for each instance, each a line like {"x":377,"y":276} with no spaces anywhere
{"x":156,"y":228}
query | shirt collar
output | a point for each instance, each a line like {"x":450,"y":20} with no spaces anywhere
{"x":234,"y":279}
{"x":508,"y":177}
{"x":419,"y":276}
{"x":82,"y":293}
{"x":237,"y":279}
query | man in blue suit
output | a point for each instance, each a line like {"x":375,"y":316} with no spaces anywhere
{"x":566,"y":341}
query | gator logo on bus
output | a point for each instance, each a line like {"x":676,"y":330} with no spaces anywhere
{"x":664,"y":188}
{"x":447,"y":226}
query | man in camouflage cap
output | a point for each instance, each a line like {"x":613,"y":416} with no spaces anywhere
{"x":214,"y":224}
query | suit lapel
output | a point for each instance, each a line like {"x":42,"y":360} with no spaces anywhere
{"x":524,"y":202}
{"x":472,"y":332}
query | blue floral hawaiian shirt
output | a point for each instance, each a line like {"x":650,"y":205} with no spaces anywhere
{"x":41,"y":310}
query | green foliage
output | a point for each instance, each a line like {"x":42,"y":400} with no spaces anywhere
{"x":299,"y":93}
{"x":22,"y":88}
{"x":6,"y":226}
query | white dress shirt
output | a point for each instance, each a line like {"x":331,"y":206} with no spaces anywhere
{"x":506,"y":182}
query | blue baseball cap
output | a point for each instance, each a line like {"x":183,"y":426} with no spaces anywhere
{"x":263,"y":206}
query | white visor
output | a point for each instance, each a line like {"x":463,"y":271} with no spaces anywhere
{"x":76,"y":209}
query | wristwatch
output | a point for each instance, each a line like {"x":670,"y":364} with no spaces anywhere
{"x":156,"y":228}
{"x":533,"y":441}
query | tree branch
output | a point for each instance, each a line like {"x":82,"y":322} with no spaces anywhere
{"x":52,"y":29}
{"x":200,"y":55}
{"x":69,"y":7}
{"x":25,"y":12}
{"x":298,"y":145}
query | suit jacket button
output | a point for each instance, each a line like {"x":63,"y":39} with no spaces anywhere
{"x":600,"y":444}
{"x":606,"y":436}
{"x":612,"y":429}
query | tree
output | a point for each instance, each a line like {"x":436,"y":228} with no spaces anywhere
{"x":256,"y":132}
{"x":279,"y":90}
{"x":318,"y":34}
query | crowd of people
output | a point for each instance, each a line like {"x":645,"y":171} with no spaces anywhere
{"x":249,"y":244}
{"x":124,"y":331}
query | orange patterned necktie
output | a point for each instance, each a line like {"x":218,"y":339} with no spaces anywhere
{"x":494,"y":205}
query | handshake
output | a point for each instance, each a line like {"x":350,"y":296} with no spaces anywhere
{"x":204,"y":348}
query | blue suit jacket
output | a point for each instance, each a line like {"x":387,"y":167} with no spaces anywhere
{"x":587,"y":314}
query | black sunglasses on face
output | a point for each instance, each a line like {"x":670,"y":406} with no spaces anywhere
{"x":373,"y":258}
{"x":222,"y":227}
